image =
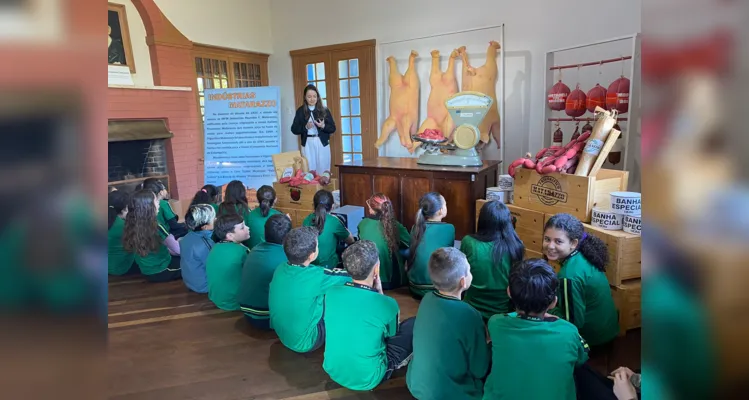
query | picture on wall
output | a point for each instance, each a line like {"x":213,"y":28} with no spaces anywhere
{"x":120,"y":52}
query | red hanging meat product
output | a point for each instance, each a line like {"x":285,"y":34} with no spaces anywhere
{"x":576,"y":133}
{"x":557,"y":97}
{"x":558,"y":136}
{"x":575,"y":105}
{"x":587,"y":127}
{"x":596,"y":98}
{"x":615,"y":155}
{"x":617,"y":96}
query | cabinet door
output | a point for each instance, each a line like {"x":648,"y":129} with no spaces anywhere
{"x":457,"y":192}
{"x":390,"y":187}
{"x":355,"y":189}
{"x":412,"y":189}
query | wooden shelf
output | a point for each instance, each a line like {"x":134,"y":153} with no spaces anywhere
{"x":137,"y":179}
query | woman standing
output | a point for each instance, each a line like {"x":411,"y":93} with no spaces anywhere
{"x":315,"y":124}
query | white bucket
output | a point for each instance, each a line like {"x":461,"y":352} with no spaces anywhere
{"x":627,"y":203}
{"x":606,"y":219}
{"x":633,"y":224}
{"x":506,"y":182}
{"x":337,"y":197}
{"x":495,"y":193}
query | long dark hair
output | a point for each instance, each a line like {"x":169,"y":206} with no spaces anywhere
{"x":266,"y":196}
{"x":429,"y":205}
{"x":323,"y":202}
{"x":140,"y":235}
{"x":117,"y":202}
{"x":236,"y":196}
{"x":383,"y":209}
{"x":495,"y":225}
{"x":208,"y":194}
{"x":155,"y":185}
{"x":592,"y":248}
{"x":320,"y":110}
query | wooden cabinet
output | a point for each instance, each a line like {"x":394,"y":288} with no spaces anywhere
{"x":404,"y":182}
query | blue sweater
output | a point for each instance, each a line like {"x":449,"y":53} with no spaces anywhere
{"x":194,"y":249}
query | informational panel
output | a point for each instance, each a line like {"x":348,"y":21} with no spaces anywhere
{"x":242,"y":131}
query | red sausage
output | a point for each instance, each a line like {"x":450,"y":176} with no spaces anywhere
{"x":549,"y":169}
{"x":528,"y":163}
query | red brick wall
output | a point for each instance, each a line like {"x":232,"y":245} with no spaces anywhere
{"x":172,"y":65}
{"x":178,"y":108}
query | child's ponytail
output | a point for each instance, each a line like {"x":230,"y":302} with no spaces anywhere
{"x":383,"y":208}
{"x":429,"y":205}
{"x":591,"y":247}
{"x":206,"y":195}
{"x":266,"y":196}
{"x":323,"y":202}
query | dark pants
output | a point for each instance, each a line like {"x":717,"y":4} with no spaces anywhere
{"x":263,"y":324}
{"x":167,"y":275}
{"x":320,"y":333}
{"x":591,"y":385}
{"x":400,"y":348}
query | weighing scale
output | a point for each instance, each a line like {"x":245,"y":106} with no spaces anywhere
{"x":467,"y":109}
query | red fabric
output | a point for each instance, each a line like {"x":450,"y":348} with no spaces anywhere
{"x":596,"y":98}
{"x":575,"y":105}
{"x":617,"y":97}
{"x":557,"y":97}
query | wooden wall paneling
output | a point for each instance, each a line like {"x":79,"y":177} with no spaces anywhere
{"x":457,"y":191}
{"x":355,"y":189}
{"x":412,"y":188}
{"x":390,"y":186}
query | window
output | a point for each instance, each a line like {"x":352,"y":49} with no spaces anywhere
{"x":218,"y":68}
{"x":316,"y":76}
{"x":350,"y":106}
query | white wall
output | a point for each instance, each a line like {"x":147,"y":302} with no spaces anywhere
{"x":236,"y":24}
{"x":531,"y":29}
{"x":143,"y":75}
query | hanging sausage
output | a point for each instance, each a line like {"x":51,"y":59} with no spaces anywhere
{"x":615,"y":155}
{"x":576,"y":133}
{"x":575,"y":106}
{"x":558,"y":136}
{"x":617,"y":96}
{"x":557,"y":97}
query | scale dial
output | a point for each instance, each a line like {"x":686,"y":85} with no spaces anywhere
{"x":469,"y":100}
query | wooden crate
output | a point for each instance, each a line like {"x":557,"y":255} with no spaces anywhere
{"x":572,"y":194}
{"x":528,"y":224}
{"x":625,"y":252}
{"x":300,"y":197}
{"x":297,"y":215}
{"x":627,"y":298}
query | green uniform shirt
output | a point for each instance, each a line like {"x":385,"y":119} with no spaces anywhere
{"x":392,"y":271}
{"x":296,"y":302}
{"x":357,"y":321}
{"x":488,"y":291}
{"x":215,"y":208}
{"x":156,"y":261}
{"x":223,"y":268}
{"x":120,"y":260}
{"x":451,"y":357}
{"x":533,"y":358}
{"x":165,"y":213}
{"x":436,"y":235}
{"x":257,"y":273}
{"x":585,"y":300}
{"x":327,"y":242}
{"x":256,"y":223}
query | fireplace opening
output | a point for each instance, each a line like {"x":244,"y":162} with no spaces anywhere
{"x":137,"y":150}
{"x":136,"y":159}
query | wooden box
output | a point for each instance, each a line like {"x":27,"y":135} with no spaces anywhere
{"x":563,"y":193}
{"x":300,"y":197}
{"x":529,"y":224}
{"x":297,"y":215}
{"x":625,"y":253}
{"x":627,"y":298}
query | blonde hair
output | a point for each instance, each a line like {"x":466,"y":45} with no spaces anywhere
{"x":199,"y":215}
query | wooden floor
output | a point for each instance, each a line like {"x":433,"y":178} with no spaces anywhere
{"x":166,"y":342}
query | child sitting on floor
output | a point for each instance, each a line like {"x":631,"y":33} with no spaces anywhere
{"x":491,"y":251}
{"x":258,"y":271}
{"x":208,"y":194}
{"x":225,"y":261}
{"x":196,"y":245}
{"x":531,"y":341}
{"x":296,"y":292}
{"x":364,"y":342}
{"x":121,"y":262}
{"x":329,"y":228}
{"x":156,"y":251}
{"x":389,"y":235}
{"x":585,"y":296}
{"x":266,"y":197}
{"x":166,"y":215}
{"x":428,"y":234}
{"x":451,"y":357}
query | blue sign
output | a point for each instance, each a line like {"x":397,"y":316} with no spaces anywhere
{"x":242,"y":129}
